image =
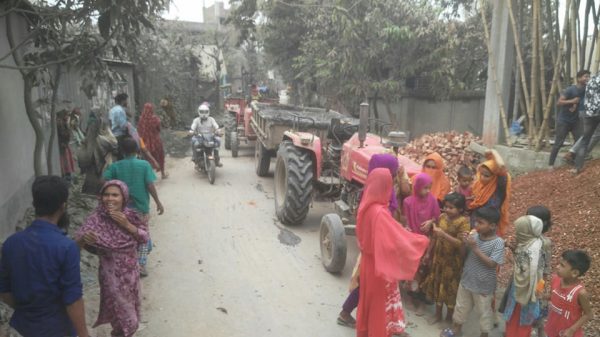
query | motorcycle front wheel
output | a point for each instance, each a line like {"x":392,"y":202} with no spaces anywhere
{"x":211,"y":170}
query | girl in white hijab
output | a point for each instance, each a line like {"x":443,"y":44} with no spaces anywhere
{"x":523,"y":305}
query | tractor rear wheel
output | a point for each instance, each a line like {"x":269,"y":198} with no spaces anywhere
{"x":235,"y":143}
{"x":293,"y":184}
{"x":333,"y":243}
{"x":262,"y":159}
{"x":227,"y":139}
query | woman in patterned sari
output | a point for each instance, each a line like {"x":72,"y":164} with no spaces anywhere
{"x":113,"y":232}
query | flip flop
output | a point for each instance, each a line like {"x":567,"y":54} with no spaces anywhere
{"x":346,"y":323}
{"x":448,"y":333}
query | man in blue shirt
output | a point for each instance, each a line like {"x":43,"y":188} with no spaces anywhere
{"x":39,"y":269}
{"x":570,"y":104}
{"x":117,"y":116}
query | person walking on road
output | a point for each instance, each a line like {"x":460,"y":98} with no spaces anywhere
{"x":139,"y":177}
{"x":149,"y":129}
{"x":67,"y":164}
{"x":568,"y":121}
{"x":113,"y":232}
{"x":390,"y":253}
{"x":390,"y":162}
{"x":39,"y":271}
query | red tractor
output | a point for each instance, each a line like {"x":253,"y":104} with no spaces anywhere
{"x":240,"y":130}
{"x":320,"y":154}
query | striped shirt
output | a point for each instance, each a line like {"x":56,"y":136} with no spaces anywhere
{"x":477,"y":277}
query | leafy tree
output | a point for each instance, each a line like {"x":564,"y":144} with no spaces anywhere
{"x":66,"y":34}
{"x":355,"y":50}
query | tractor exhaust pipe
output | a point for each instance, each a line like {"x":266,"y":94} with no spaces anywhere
{"x":363,"y":123}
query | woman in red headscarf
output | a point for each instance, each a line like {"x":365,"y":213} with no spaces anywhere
{"x":390,"y":253}
{"x":434,"y":167}
{"x":149,"y":130}
{"x":492,"y":188}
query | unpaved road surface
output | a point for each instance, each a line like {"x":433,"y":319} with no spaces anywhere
{"x":222,"y":266}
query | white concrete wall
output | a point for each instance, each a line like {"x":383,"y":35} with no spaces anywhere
{"x":17,"y":140}
{"x":420,"y":116}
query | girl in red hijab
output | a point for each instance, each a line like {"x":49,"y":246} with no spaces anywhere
{"x":390,"y":253}
{"x":434,"y":167}
{"x":149,"y":130}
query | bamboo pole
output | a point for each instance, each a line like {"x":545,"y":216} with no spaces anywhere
{"x":542,"y":58}
{"x":555,"y":78}
{"x":534,"y":123}
{"x":492,"y":62}
{"x":596,"y":16}
{"x":517,"y":39}
{"x":574,"y":40}
{"x":596,"y":65}
{"x":551,"y":33}
{"x":586,"y":21}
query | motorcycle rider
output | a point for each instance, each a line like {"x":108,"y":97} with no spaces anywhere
{"x":204,"y":123}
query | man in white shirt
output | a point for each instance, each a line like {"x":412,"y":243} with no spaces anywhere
{"x":205,"y":124}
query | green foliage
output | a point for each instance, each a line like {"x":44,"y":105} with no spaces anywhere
{"x":357,"y":49}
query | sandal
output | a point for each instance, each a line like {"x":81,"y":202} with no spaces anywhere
{"x":448,"y":333}
{"x":350,"y":323}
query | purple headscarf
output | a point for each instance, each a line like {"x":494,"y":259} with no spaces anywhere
{"x":109,"y":235}
{"x":390,"y":162}
{"x":419,"y":209}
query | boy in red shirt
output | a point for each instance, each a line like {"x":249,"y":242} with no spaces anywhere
{"x":570,"y":307}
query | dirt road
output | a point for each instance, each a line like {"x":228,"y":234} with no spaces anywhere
{"x":222,"y":265}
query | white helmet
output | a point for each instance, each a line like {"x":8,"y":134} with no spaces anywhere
{"x":203,"y":111}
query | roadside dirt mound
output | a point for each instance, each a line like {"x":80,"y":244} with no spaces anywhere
{"x":575,"y":205}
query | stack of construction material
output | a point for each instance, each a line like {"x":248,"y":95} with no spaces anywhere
{"x":452,"y":146}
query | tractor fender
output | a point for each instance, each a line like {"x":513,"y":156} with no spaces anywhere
{"x":309,"y":142}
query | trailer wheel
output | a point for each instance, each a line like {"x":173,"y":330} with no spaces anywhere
{"x":262,"y":159}
{"x":228,"y":139}
{"x":293,"y":184}
{"x":235,"y":144}
{"x":333,"y":243}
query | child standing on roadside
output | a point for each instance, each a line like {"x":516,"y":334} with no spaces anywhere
{"x":479,"y":276}
{"x":442,"y":282}
{"x":465,"y":183}
{"x":570,"y":305}
{"x":421,"y":210}
{"x":543,"y":213}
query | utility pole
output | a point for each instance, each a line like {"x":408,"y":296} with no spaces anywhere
{"x":503,"y":48}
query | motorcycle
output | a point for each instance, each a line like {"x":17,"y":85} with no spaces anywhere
{"x":204,"y":155}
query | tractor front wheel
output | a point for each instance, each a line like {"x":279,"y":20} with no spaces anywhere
{"x":293,"y":184}
{"x":333,"y":243}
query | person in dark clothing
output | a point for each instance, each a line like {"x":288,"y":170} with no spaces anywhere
{"x":571,"y":103}
{"x":39,"y":269}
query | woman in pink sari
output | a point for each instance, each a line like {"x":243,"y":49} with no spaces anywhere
{"x":113,"y":232}
{"x":390,"y":253}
